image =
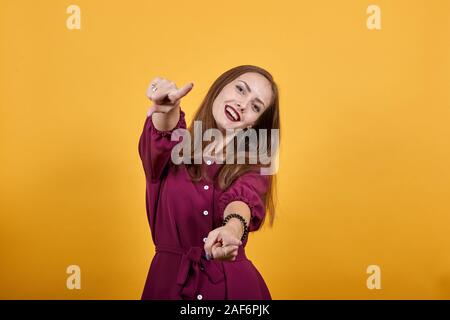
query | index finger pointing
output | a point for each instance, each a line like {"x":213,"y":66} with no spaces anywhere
{"x":180,"y":93}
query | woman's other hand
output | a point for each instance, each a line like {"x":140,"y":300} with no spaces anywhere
{"x":222,"y":244}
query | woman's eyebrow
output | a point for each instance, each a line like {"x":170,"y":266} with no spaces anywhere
{"x":250,"y":90}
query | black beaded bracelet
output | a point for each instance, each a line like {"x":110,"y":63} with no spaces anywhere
{"x":244,"y":223}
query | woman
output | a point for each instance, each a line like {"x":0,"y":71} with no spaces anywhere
{"x":200,"y":214}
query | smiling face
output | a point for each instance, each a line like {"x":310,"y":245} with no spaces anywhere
{"x":241,"y":102}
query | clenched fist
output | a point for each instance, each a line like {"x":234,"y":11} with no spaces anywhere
{"x":222,"y":244}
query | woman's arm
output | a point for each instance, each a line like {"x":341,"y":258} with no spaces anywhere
{"x":164,"y":116}
{"x":246,"y":197}
{"x":235,"y":224}
{"x":223,"y":242}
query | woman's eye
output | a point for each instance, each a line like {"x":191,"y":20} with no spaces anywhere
{"x":239,"y":88}
{"x":256,"y":108}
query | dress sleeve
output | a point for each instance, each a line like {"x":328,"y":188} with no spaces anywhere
{"x":250,"y":188}
{"x":155,"y":147}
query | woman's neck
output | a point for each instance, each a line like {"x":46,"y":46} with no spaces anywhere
{"x":214,"y":149}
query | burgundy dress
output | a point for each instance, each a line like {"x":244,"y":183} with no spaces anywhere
{"x":181,"y":213}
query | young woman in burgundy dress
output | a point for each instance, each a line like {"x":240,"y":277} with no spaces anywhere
{"x":200,"y":214}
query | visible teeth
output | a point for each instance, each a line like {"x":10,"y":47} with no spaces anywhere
{"x":233,"y":113}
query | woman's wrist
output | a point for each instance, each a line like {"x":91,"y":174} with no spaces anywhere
{"x":166,"y":121}
{"x":236,"y":226}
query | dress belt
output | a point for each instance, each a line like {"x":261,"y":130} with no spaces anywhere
{"x":193,"y":260}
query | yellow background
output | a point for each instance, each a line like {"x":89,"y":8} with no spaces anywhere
{"x":364,"y":170}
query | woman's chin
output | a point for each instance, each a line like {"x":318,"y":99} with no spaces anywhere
{"x":232,"y":125}
{"x":228,"y":124}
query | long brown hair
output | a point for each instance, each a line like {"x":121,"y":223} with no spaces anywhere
{"x":269,"y":119}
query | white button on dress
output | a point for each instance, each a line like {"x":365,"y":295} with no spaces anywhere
{"x":206,"y":187}
{"x":199,"y":297}
{"x":208,"y":162}
{"x":205,"y":212}
{"x":204,"y":239}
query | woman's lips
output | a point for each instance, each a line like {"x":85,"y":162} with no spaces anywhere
{"x":231,"y":113}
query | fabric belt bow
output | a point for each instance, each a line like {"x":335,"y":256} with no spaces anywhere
{"x":193,"y":263}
